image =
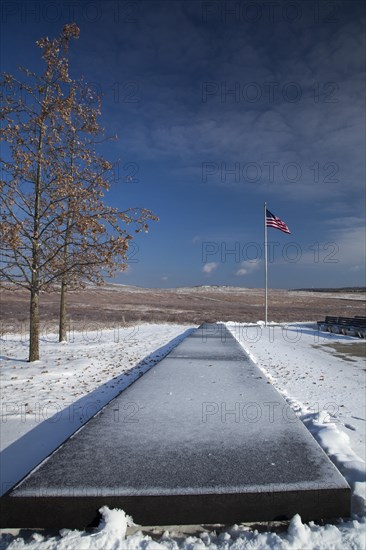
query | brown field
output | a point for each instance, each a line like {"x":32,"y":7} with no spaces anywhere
{"x":113,"y":305}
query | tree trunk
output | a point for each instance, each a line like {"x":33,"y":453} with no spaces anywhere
{"x":62,"y":334}
{"x":34,"y":289}
{"x":34,"y":326}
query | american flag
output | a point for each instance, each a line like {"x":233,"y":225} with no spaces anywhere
{"x":273,"y":221}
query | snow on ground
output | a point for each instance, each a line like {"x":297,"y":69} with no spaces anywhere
{"x":326,"y":388}
{"x":44,"y":402}
{"x":322,"y":376}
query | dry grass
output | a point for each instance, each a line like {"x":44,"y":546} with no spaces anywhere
{"x":115,"y":305}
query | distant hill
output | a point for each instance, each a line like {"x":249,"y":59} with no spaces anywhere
{"x":343,"y":289}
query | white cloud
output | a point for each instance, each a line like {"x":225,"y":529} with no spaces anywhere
{"x":210,"y":267}
{"x":350,"y":246}
{"x":246,"y":268}
{"x":165,"y":278}
{"x":196,"y":239}
{"x":342,"y":248}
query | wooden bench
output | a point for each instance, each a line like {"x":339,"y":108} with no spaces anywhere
{"x":352,"y":326}
{"x":327,"y":323}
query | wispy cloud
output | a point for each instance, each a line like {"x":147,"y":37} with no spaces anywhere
{"x":210,"y":267}
{"x":247,"y":268}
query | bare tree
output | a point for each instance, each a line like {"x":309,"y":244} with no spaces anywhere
{"x":55,"y":226}
{"x":29,"y":178}
{"x":93,"y":239}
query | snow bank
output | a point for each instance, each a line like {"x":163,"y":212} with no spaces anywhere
{"x":300,"y":353}
{"x":111,"y":535}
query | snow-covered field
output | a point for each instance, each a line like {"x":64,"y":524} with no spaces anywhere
{"x":43,"y":403}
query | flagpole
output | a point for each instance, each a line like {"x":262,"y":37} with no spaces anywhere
{"x":265,"y":265}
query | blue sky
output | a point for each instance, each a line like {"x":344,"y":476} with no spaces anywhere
{"x":220,"y":106}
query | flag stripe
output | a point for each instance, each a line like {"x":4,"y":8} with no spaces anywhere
{"x":273,"y":221}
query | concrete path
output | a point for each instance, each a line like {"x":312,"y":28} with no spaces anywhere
{"x":203,"y":437}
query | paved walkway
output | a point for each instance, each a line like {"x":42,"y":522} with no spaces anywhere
{"x":203,"y":437}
